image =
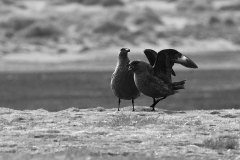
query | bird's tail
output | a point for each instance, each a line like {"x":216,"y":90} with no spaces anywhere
{"x":178,"y":85}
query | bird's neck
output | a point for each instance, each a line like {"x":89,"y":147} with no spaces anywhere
{"x":123,"y":60}
{"x":123,"y":55}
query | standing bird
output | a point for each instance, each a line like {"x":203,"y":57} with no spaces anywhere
{"x":154,"y":79}
{"x":122,"y":82}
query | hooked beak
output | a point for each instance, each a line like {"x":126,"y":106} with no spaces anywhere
{"x":187,"y":62}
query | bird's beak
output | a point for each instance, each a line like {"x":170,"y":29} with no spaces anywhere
{"x":185,"y":61}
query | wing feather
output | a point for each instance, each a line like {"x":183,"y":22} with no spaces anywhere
{"x":151,"y":56}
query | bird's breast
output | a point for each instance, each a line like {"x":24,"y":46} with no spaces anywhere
{"x":123,"y":85}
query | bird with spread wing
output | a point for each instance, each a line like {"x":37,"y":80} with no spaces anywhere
{"x":154,"y":79}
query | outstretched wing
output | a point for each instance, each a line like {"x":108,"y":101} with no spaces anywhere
{"x":160,"y":65}
{"x":163,"y":66}
{"x":173,"y":73}
{"x":151,"y":56}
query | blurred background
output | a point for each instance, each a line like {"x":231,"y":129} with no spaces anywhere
{"x":56,"y":54}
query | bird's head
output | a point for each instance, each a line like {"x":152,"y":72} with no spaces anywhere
{"x":124,"y":52}
{"x":177,"y":57}
{"x":138,"y":66}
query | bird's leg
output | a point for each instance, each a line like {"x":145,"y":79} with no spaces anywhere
{"x":161,"y":99}
{"x":119,"y":101}
{"x":133,"y":105}
{"x":155,"y":102}
{"x":153,"y":105}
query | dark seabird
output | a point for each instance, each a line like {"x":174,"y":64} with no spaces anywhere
{"x":122,"y":82}
{"x":154,"y":79}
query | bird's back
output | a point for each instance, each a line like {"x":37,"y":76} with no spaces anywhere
{"x":152,"y":85}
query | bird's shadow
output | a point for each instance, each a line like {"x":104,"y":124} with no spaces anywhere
{"x":149,"y":109}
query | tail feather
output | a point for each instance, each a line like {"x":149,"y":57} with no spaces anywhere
{"x":178,"y":85}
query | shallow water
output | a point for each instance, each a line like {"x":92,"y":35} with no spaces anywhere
{"x":53,"y":91}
